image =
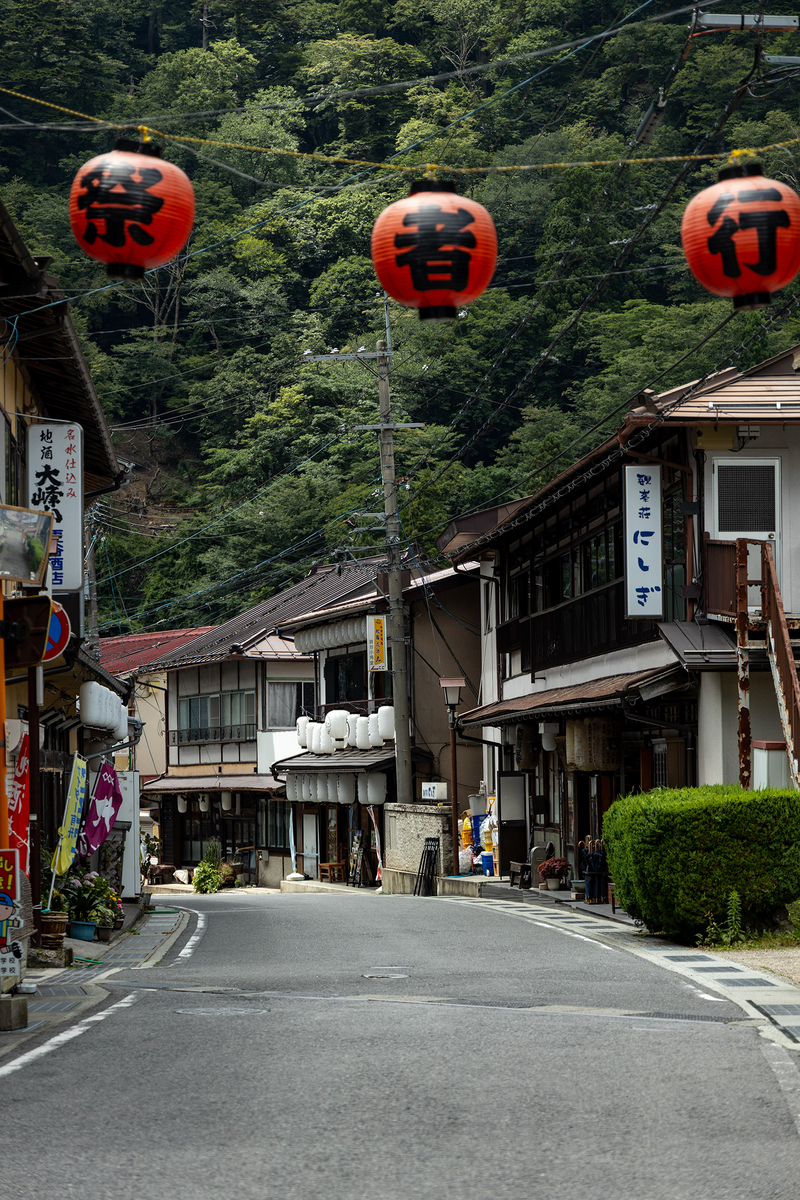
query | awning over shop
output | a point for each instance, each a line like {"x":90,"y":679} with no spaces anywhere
{"x":345,"y":760}
{"x":701,"y":645}
{"x":609,"y":692}
{"x":190,"y":784}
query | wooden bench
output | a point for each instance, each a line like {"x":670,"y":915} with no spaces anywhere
{"x":520,"y":873}
{"x":330,"y":870}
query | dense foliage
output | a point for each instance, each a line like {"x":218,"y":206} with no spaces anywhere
{"x":249,"y":467}
{"x":676,"y":855}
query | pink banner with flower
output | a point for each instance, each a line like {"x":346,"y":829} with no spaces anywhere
{"x":103,"y":808}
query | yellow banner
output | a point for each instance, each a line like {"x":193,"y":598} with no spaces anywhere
{"x":68,"y":833}
{"x":376,"y":643}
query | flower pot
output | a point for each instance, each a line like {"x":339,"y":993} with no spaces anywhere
{"x":104,"y":933}
{"x":553,"y":885}
{"x":82,"y":930}
{"x":119,"y":923}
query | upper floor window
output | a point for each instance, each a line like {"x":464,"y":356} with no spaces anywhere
{"x":345,"y":678}
{"x":285,"y":702}
{"x":226,"y":716}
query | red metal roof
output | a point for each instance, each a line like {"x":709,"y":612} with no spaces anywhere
{"x":131,"y":651}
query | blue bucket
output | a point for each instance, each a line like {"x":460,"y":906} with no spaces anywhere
{"x":487,"y":862}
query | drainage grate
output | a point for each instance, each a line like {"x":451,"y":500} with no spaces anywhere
{"x":686,"y":958}
{"x":754,"y":982}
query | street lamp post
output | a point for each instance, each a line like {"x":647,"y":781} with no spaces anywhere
{"x":452,"y":698}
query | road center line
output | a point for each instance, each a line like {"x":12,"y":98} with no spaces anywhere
{"x":190,"y":947}
{"x":67,"y":1035}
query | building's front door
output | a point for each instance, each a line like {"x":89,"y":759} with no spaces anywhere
{"x":310,"y":845}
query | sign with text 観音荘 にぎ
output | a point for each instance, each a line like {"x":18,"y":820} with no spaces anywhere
{"x":376,"y":643}
{"x":644,"y":555}
{"x":55,"y":485}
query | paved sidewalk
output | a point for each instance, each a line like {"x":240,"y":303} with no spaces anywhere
{"x":760,"y":994}
{"x":66,"y":993}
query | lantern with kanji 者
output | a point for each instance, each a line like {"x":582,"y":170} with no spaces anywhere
{"x":741,"y":237}
{"x":434,"y":250}
{"x":130,"y":209}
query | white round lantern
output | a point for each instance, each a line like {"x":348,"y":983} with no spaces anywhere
{"x":352,"y":726}
{"x":226,"y":799}
{"x":346,"y":788}
{"x":326,"y":742}
{"x":386,"y":722}
{"x":336,"y":725}
{"x":375,"y":739}
{"x":291,"y":786}
{"x":376,"y":788}
{"x":182,"y":805}
{"x":362,"y":733}
{"x":363,"y":791}
{"x":202,"y":800}
{"x":302,"y":727}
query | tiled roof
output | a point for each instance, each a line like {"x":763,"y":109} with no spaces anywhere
{"x":129,"y":652}
{"x":596,"y":693}
{"x":323,"y":587}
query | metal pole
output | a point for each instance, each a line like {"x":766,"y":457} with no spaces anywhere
{"x":397,"y":621}
{"x":454,"y":786}
{"x":743,"y":662}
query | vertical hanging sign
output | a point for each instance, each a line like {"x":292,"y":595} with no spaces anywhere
{"x":55,"y":484}
{"x":376,"y":644}
{"x":644,"y":555}
{"x":19,"y":806}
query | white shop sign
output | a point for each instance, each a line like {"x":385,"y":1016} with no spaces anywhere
{"x":55,"y":484}
{"x":644,"y":555}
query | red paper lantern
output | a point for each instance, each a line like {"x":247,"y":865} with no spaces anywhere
{"x":434,"y":250}
{"x":741,"y":237}
{"x":130,"y":209}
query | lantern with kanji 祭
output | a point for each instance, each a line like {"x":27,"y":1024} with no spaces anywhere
{"x":741,"y":237}
{"x":130,"y":209}
{"x":434,"y":250}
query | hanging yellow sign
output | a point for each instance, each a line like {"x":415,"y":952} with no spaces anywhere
{"x":376,"y":643}
{"x":68,"y":833}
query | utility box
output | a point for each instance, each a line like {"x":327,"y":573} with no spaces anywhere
{"x":770,"y":766}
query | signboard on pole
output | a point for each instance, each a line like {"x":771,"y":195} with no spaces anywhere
{"x":55,"y":485}
{"x":19,"y":806}
{"x":644,"y":554}
{"x":376,"y":644}
{"x":10,"y":896}
{"x":58,"y":633}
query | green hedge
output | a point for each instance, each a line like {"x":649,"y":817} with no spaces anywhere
{"x":675,"y":855}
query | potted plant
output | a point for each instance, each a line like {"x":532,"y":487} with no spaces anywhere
{"x":82,"y":895}
{"x":553,"y":871}
{"x":103,"y":918}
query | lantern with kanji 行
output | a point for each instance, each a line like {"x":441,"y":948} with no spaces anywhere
{"x":434,"y":250}
{"x":130,"y":209}
{"x":741,"y":237}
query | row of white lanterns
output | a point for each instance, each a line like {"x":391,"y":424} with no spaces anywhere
{"x":204,"y":802}
{"x":332,"y":787}
{"x":339,"y":633}
{"x":342,"y":729}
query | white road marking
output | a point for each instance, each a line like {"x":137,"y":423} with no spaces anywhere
{"x":66,"y":1035}
{"x":788,"y":1076}
{"x":190,"y":947}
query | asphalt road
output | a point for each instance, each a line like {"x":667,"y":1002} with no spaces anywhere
{"x":450,"y":1078}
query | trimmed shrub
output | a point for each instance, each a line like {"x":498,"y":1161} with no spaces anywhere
{"x":206,"y":878}
{"x":675,"y":855}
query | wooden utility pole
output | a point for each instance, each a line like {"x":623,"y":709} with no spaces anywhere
{"x":397,"y":621}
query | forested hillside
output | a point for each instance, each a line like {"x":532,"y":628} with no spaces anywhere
{"x":249,"y":468}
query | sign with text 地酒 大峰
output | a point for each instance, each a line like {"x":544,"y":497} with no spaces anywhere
{"x":55,"y":485}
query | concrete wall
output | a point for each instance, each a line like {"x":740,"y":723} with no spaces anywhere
{"x":405,"y":828}
{"x":782,"y":443}
{"x":718,"y":722}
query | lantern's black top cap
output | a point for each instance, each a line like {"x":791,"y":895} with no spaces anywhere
{"x":740,"y":172}
{"x":431,"y":185}
{"x":150,"y":148}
